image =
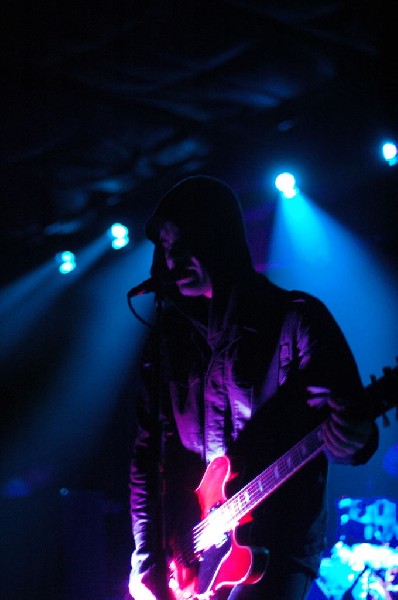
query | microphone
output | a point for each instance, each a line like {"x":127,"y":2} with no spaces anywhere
{"x":153,"y":285}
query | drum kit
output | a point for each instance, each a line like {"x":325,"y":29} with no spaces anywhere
{"x":363,"y":564}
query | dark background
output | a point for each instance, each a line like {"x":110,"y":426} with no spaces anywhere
{"x":103,"y":107}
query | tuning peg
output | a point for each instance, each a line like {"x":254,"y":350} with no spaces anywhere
{"x":387,"y":370}
{"x":373,"y":378}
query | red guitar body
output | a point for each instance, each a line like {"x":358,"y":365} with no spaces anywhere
{"x":225,"y":563}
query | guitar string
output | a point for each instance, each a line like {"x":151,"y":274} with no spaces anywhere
{"x":254,"y":492}
{"x":235,"y":507}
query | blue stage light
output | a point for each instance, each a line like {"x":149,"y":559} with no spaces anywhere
{"x":66,"y":261}
{"x":286,"y":184}
{"x":389,"y":152}
{"x":120,"y":236}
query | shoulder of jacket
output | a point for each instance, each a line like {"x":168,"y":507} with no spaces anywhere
{"x":302,"y":308}
{"x":299,"y":300}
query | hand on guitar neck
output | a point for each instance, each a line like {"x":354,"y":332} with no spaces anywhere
{"x":343,"y":437}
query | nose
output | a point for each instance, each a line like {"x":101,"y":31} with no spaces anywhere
{"x":169,"y":259}
{"x":174,"y":257}
{"x":169,"y":256}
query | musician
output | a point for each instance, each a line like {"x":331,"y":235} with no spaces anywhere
{"x":235,"y":366}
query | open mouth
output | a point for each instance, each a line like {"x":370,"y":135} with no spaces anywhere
{"x":188,"y":275}
{"x":186,"y":280}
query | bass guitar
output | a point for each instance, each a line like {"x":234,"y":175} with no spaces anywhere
{"x":209,"y":556}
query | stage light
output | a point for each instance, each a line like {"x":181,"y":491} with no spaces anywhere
{"x":66,"y":261}
{"x":286,"y":184}
{"x":389,"y":151}
{"x":120,"y":236}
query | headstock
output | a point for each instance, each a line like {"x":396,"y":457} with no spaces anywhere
{"x":383,"y":392}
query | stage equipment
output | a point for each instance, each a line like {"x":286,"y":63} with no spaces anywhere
{"x":363,"y":564}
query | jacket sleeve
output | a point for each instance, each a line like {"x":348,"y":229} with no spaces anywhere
{"x":325,"y":361}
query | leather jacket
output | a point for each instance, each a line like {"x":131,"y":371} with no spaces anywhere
{"x":244,"y":394}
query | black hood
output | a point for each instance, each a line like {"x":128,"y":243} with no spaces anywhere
{"x":209,"y":216}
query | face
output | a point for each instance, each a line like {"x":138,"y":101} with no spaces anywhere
{"x":195,"y":280}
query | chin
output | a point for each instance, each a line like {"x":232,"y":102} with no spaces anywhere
{"x":192,"y":292}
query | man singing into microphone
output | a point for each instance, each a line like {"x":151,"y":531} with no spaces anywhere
{"x":235,"y":366}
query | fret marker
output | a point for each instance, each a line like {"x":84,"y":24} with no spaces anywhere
{"x":247,"y":497}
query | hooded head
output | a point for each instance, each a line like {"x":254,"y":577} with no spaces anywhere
{"x":208,"y":215}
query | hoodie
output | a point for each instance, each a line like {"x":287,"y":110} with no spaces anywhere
{"x":209,"y":217}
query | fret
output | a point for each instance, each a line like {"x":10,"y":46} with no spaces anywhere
{"x":303,"y":450}
{"x":276,"y":474}
{"x":214,"y":527}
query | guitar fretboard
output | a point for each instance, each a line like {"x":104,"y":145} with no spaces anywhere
{"x":228,"y":515}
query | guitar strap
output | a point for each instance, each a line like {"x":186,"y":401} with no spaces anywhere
{"x":284,"y":353}
{"x":287,"y":346}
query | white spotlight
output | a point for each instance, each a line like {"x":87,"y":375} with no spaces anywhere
{"x":120,"y":236}
{"x":66,"y":261}
{"x":389,"y":151}
{"x":286,"y":184}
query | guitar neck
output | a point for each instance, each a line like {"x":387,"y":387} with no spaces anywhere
{"x":244,"y":501}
